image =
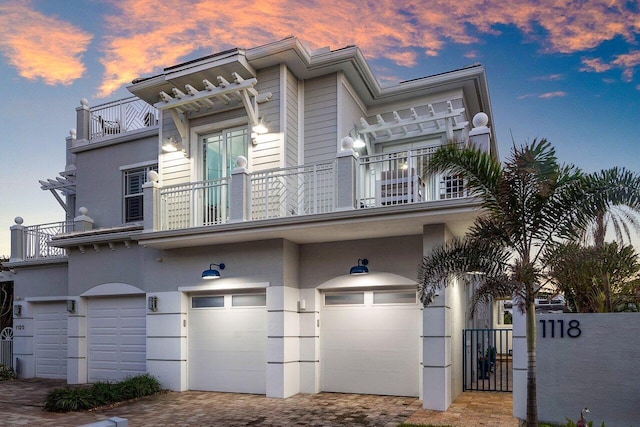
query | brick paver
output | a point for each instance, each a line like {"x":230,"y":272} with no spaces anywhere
{"x":21,"y":405}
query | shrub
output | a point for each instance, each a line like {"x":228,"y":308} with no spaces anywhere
{"x":6,"y":372}
{"x":101,"y":393}
{"x":69,"y":399}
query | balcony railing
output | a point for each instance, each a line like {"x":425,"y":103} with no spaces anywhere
{"x":398,"y":178}
{"x":376,"y":181}
{"x":194,"y":204}
{"x":37,"y":238}
{"x":121,"y":116}
{"x":300,"y":190}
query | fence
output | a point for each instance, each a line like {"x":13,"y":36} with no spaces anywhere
{"x":6,"y":347}
{"x":487,"y":359}
{"x":194,"y":204}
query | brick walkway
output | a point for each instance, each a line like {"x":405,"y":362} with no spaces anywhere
{"x":21,"y":405}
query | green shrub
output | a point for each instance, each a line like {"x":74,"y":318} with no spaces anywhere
{"x":6,"y":372}
{"x":101,"y":393}
{"x":69,"y":399}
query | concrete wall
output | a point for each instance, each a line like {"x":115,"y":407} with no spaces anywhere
{"x":596,"y":369}
{"x":41,"y":281}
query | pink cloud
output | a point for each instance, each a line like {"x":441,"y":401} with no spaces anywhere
{"x":550,"y":77}
{"x":145,"y":35}
{"x":595,"y":65}
{"x":555,"y":94}
{"x":41,"y":47}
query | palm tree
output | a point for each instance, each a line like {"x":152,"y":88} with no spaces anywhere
{"x":529,"y":205}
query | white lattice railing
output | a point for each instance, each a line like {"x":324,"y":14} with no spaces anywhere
{"x":398,"y":178}
{"x":299,"y":190}
{"x":194,"y":204}
{"x":121,"y":116}
{"x":37,"y":238}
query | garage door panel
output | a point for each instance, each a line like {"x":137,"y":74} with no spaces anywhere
{"x":50,"y":339}
{"x":227,"y":349}
{"x":117,"y":338}
{"x":371,"y":349}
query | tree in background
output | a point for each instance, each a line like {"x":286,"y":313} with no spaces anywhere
{"x":529,"y":205}
{"x":597,"y":279}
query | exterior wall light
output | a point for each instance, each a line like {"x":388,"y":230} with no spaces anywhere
{"x":212,"y":273}
{"x":152,"y":303}
{"x":17,"y":310}
{"x":71,"y":305}
{"x":361,"y":268}
{"x":260,"y":127}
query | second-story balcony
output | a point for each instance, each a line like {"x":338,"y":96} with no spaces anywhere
{"x":347,"y":183}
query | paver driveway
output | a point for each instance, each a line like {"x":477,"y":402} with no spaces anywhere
{"x":21,"y":405}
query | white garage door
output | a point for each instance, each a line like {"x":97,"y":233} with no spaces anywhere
{"x":228,"y":343}
{"x":50,"y":324}
{"x":117,"y":338}
{"x":370,"y":342}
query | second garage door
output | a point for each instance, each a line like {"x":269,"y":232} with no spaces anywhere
{"x":50,"y":324}
{"x":370,"y":342}
{"x":228,"y":343}
{"x":117,"y":338}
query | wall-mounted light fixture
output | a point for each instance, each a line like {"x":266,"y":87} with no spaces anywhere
{"x":17,"y":310}
{"x":71,"y":305}
{"x":260,"y":127}
{"x":170,"y":145}
{"x":361,"y":268}
{"x":212,"y":273}
{"x":152,"y":303}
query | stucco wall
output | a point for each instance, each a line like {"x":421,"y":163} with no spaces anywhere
{"x":41,"y":281}
{"x":596,"y":369}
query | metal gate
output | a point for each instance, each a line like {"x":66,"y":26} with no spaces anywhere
{"x":487,"y":360}
{"x":6,"y":347}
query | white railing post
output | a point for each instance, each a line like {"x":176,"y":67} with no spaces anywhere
{"x":82,"y":222}
{"x":346,"y":179}
{"x":480,"y":135}
{"x":238,"y":193}
{"x":17,"y":241}
{"x":150,"y":201}
{"x":83,"y":121}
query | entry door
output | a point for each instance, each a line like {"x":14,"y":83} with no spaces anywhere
{"x":219,"y":153}
{"x":370,"y":342}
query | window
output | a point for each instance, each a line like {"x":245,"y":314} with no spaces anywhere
{"x":259,"y":300}
{"x":505,"y":312}
{"x":452,"y":187}
{"x":207,"y":302}
{"x":133,"y":197}
{"x":406,"y":297}
{"x":342,"y":299}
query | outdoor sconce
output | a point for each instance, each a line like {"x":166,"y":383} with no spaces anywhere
{"x":361,"y":268}
{"x":170,"y":145}
{"x":260,"y":128}
{"x":212,"y":273}
{"x":71,"y":306}
{"x":152,"y":303}
{"x":17,"y":310}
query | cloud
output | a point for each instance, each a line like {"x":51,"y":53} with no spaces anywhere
{"x":595,"y":65}
{"x":41,"y":47}
{"x":626,"y":62}
{"x":145,"y":35}
{"x":555,"y":94}
{"x":472,"y":54}
{"x":549,"y":77}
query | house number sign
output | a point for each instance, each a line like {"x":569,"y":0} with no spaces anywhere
{"x":572,"y":329}
{"x":19,"y":327}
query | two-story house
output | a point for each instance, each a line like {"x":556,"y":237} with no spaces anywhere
{"x":253,"y":221}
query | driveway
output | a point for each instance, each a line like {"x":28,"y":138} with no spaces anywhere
{"x":21,"y":405}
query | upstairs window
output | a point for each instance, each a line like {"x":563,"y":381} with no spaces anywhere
{"x":133,"y":197}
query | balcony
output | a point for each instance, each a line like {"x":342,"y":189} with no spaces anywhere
{"x":347,"y":183}
{"x":31,"y":243}
{"x":118,"y":117}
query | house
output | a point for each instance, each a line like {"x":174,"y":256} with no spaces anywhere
{"x":293,"y":179}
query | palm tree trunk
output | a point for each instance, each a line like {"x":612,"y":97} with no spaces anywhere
{"x":532,"y":398}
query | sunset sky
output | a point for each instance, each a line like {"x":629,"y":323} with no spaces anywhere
{"x":565,"y":70}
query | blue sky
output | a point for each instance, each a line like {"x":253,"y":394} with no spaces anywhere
{"x":565,"y":70}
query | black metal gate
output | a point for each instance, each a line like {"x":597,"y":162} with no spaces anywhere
{"x":487,"y":359}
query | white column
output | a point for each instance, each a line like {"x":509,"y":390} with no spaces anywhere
{"x":77,"y":343}
{"x":436,"y":339}
{"x":239,"y":192}
{"x":309,"y":314}
{"x":346,"y":167}
{"x":167,"y":340}
{"x":23,"y":341}
{"x":150,"y":203}
{"x":519,"y":365}
{"x":17,"y":240}
{"x":283,"y":342}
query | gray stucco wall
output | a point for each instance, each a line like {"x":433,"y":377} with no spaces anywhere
{"x":597,"y":369}
{"x":41,"y":281}
{"x":100,"y":181}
